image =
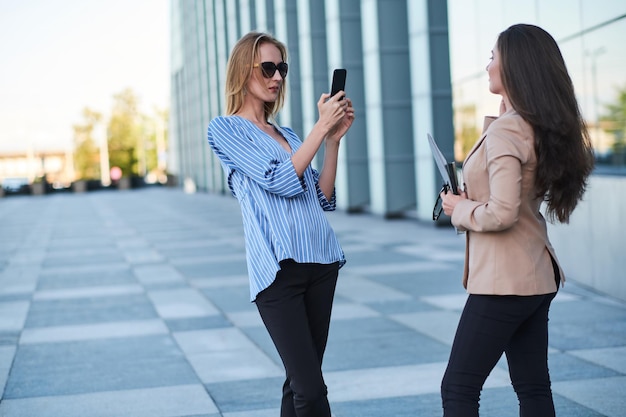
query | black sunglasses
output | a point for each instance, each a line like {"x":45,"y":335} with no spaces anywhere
{"x":268,"y":69}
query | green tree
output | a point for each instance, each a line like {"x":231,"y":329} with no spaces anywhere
{"x":148,"y":149}
{"x":124,"y":133}
{"x":86,"y":153}
{"x":614,"y":122}
{"x":156,"y":145}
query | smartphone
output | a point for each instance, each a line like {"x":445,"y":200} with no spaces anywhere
{"x":339,"y":81}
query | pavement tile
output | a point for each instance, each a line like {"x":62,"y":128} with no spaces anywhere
{"x":101,"y":266}
{"x":179,"y":303}
{"x":202,"y":341}
{"x":262,"y":396}
{"x":20,"y":279}
{"x":272,"y":412}
{"x":229,"y":298}
{"x":72,"y":280}
{"x":611,"y":358}
{"x":495,"y":402}
{"x":439,"y":325}
{"x":90,"y":251}
{"x":73,"y":311}
{"x":6,"y":360}
{"x":348,"y":311}
{"x":363,"y":290}
{"x":454,"y":302}
{"x":502,"y":402}
{"x":199,"y":250}
{"x":234,"y":256}
{"x":202,"y":269}
{"x":157,"y":274}
{"x":91,"y":239}
{"x":15,"y":297}
{"x":378,"y":270}
{"x":587,"y":325}
{"x":88,"y":292}
{"x":132,"y":242}
{"x":243,"y":319}
{"x":424,"y":283}
{"x":92,"y":331}
{"x":142,"y":256}
{"x":196,"y":323}
{"x":400,"y":406}
{"x":261,"y":338}
{"x":9,"y":338}
{"x":395,"y":381}
{"x":450,"y":255}
{"x":378,"y":342}
{"x":13,"y":315}
{"x":220,"y":282}
{"x":172,"y":401}
{"x":379,"y":257}
{"x":603,"y":395}
{"x":67,"y":368}
{"x":233,"y":365}
{"x":394,"y":307}
{"x":566,"y":367}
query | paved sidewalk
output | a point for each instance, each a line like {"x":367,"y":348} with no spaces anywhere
{"x":135,"y":304}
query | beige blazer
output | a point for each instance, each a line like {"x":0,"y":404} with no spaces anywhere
{"x":507,"y":250}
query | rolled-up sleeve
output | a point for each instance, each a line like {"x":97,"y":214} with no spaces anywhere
{"x":239,"y":152}
{"x":325,"y":203}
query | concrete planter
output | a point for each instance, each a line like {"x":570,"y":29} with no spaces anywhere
{"x":79,"y":186}
{"x":124,"y":184}
{"x":38,"y":188}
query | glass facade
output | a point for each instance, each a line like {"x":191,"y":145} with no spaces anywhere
{"x":590,"y":34}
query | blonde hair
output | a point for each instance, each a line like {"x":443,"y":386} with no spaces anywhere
{"x":244,"y":55}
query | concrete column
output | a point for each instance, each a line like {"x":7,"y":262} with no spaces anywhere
{"x":247,"y":21}
{"x":216,"y":57}
{"x":345,"y":50}
{"x":388,"y":106}
{"x":431,"y":95}
{"x":286,"y":24}
{"x":425,"y":169}
{"x":313,"y":63}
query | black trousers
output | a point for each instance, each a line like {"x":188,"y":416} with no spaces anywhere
{"x":489,"y":326}
{"x":296,"y":311}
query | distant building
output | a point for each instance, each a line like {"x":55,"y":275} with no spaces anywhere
{"x":56,"y":166}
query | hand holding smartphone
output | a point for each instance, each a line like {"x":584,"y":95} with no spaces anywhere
{"x":339,"y":81}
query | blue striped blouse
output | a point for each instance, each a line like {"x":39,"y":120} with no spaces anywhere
{"x":283,"y":215}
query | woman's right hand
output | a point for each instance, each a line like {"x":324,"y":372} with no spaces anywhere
{"x":331,"y":110}
{"x":449,"y":201}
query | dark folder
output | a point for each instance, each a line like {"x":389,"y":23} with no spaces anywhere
{"x":446,"y":169}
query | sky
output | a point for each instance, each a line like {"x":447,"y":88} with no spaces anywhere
{"x":59,"y":56}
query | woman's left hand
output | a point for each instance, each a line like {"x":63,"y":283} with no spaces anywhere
{"x":344,"y":124}
{"x":450,"y":200}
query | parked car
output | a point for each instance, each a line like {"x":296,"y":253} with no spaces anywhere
{"x":16,"y":185}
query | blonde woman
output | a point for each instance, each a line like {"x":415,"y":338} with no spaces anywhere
{"x":292,"y":253}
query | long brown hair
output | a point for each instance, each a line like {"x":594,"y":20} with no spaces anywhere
{"x":540,"y":89}
{"x":244,"y":55}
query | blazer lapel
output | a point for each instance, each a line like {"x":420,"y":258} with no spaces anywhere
{"x":486,"y":122}
{"x":475,"y":147}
